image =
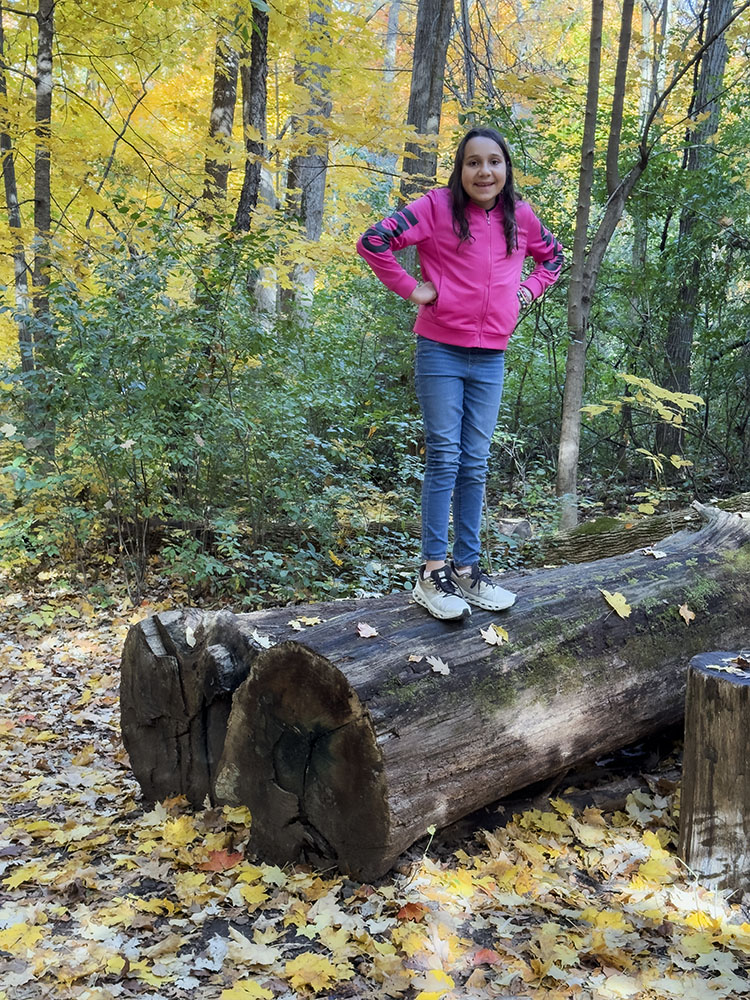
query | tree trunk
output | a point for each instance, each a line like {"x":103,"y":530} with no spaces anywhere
{"x":254,"y":74}
{"x":20,"y":267}
{"x":698,"y":156}
{"x":715,"y":800}
{"x":347,"y":748}
{"x":42,"y":168}
{"x":434,"y":19}
{"x":221,"y":122}
{"x":578,"y":306}
{"x":307,"y":170}
{"x":586,"y":264}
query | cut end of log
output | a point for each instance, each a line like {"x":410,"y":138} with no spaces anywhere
{"x":302,"y":754}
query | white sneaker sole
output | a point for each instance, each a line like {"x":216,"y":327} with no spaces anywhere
{"x":418,"y":599}
{"x":488,"y":605}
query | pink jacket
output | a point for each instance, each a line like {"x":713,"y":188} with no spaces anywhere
{"x":477,"y":284}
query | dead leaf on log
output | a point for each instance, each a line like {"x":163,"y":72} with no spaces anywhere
{"x":263,"y":640}
{"x":656,"y":553}
{"x":365,"y":630}
{"x":415,"y":658}
{"x":617,"y":602}
{"x":495,"y":635}
{"x":438,"y":665}
{"x":686,"y":613}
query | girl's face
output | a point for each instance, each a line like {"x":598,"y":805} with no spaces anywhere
{"x":483,"y":171}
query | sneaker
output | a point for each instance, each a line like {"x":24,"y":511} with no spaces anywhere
{"x":437,"y":592}
{"x":478,"y":588}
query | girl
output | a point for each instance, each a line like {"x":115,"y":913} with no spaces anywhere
{"x":472,"y":238}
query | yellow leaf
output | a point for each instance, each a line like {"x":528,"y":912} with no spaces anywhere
{"x":434,"y":984}
{"x":495,"y":635}
{"x":617,"y":602}
{"x":253,"y":894}
{"x":179,"y":832}
{"x":686,"y":613}
{"x":334,"y":558}
{"x":310,"y":970}
{"x":237,"y":814}
{"x":247,"y":989}
{"x":20,"y":938}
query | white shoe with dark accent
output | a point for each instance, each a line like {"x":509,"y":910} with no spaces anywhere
{"x":477,"y":588}
{"x":437,"y":592}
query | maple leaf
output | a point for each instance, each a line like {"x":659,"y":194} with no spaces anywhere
{"x":434,"y":984}
{"x":412,"y":911}
{"x":311,"y":971}
{"x":310,"y":620}
{"x":221,"y":861}
{"x":656,"y":553}
{"x":686,"y":613}
{"x":439,"y":666}
{"x":247,"y":989}
{"x":617,"y":602}
{"x":263,"y":640}
{"x":366,"y":631}
{"x":495,"y":635}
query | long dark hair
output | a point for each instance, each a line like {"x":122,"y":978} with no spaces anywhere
{"x":508,"y":197}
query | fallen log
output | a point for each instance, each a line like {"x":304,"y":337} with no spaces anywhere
{"x":612,"y":536}
{"x":715,"y":800}
{"x":346,"y":749}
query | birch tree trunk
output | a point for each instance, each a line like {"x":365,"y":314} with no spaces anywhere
{"x":698,"y":156}
{"x":221,"y":123}
{"x":20,"y":266}
{"x":42,"y":171}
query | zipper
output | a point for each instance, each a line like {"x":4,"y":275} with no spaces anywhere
{"x":489,"y":274}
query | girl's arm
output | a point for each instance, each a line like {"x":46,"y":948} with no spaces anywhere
{"x":542,"y":246}
{"x":404,"y":228}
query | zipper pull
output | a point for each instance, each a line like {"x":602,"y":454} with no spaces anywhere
{"x":487,"y":216}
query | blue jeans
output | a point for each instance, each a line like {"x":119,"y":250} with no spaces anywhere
{"x":459,"y":390}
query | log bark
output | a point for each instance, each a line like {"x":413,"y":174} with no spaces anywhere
{"x":715,"y":801}
{"x":347,"y":748}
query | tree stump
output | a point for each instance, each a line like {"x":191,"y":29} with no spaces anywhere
{"x":346,"y":749}
{"x":715,"y":800}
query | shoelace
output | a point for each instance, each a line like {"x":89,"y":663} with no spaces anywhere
{"x":442,"y":580}
{"x":478,"y":577}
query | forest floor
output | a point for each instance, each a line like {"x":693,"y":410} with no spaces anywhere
{"x":571,"y":892}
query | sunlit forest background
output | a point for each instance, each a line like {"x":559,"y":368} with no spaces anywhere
{"x":202,"y":382}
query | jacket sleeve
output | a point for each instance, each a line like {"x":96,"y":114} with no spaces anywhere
{"x":546,"y":251}
{"x":406,"y":227}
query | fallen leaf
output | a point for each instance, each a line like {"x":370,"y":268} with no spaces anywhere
{"x":366,"y":631}
{"x":296,"y":625}
{"x":221,"y":861}
{"x":438,"y":665}
{"x":412,"y":911}
{"x":414,"y":658}
{"x":495,"y":635}
{"x":307,"y":620}
{"x":263,"y":641}
{"x":656,"y":553}
{"x":686,"y":613}
{"x":617,"y":602}
{"x":247,"y":989}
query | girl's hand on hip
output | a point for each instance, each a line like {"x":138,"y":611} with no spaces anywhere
{"x":424,"y":293}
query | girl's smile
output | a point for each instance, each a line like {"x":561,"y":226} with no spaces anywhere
{"x":483,"y":171}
